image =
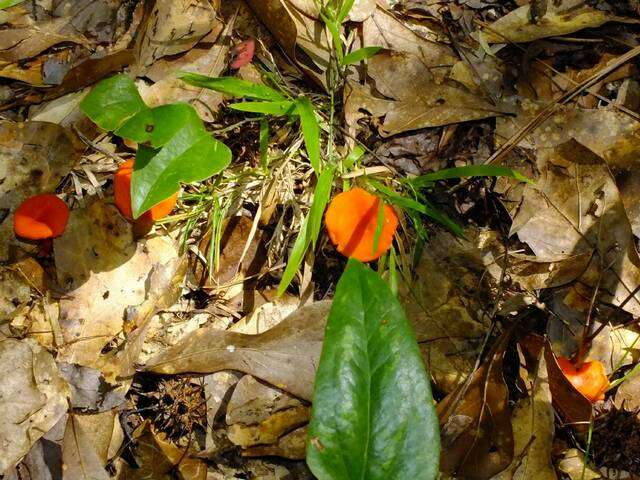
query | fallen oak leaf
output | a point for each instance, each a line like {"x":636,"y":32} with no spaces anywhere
{"x":285,"y":356}
{"x":419,"y":101}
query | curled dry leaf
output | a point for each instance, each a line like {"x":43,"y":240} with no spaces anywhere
{"x":27,"y":368}
{"x":285,"y":356}
{"x":419,"y":101}
{"x":291,"y":445}
{"x":104,"y":271}
{"x":475,"y":422}
{"x":34,"y":157}
{"x":559,"y":18}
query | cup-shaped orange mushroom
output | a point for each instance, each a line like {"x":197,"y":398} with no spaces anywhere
{"x":352,"y":220}
{"x":589,"y":378}
{"x":122,"y":194}
{"x":40,"y":217}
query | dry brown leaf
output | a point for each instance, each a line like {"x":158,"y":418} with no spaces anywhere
{"x":20,"y":43}
{"x":441,"y":305}
{"x":575,"y":208}
{"x":159,"y":459}
{"x":80,"y":458}
{"x":270,"y":430}
{"x":382,"y":29}
{"x":104,"y":271}
{"x":33,"y":397}
{"x":207,"y":58}
{"x":285,"y":356}
{"x":17,"y":282}
{"x":173,"y":26}
{"x":628,"y":393}
{"x":475,"y":421}
{"x":419,"y":100}
{"x":34,"y":157}
{"x":560,"y":18}
{"x":293,"y":446}
{"x":533,"y":432}
{"x":572,"y":463}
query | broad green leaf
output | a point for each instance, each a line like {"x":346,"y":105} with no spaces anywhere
{"x":112,"y":102}
{"x":232,"y":86}
{"x":9,"y":3}
{"x":157,"y":126}
{"x":373,"y":416}
{"x":191,"y":155}
{"x":310,"y":228}
{"x":279,"y":108}
{"x":361,"y":54}
{"x":469,"y":171}
{"x":173,"y":144}
{"x":310,"y":131}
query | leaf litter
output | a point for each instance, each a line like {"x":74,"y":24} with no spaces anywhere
{"x":167,"y":353}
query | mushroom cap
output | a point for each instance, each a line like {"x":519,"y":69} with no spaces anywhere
{"x":122,"y":194}
{"x":352,"y":220}
{"x":589,"y":378}
{"x":41,"y":216}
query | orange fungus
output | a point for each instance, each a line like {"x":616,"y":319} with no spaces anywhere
{"x":352,"y":220}
{"x":40,"y":217}
{"x":589,"y":378}
{"x":122,"y":194}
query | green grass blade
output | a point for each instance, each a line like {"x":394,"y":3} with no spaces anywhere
{"x":277,"y":108}
{"x":9,"y":3}
{"x":320,"y":198}
{"x":310,"y":131}
{"x":235,"y":87}
{"x":469,"y":171}
{"x":361,"y":54}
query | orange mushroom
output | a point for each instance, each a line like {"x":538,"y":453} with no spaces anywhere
{"x":122,"y":194}
{"x":589,"y":378}
{"x":352,"y":220}
{"x":41,"y":217}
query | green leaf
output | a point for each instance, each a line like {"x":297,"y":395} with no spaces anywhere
{"x":373,"y":416}
{"x":279,"y":108}
{"x":191,"y":155}
{"x":264,"y":143}
{"x":345,"y":8}
{"x":320,"y":198}
{"x":9,"y":3}
{"x":468,"y":171}
{"x":235,"y":87}
{"x":310,"y":227}
{"x":295,"y":258}
{"x":361,"y":54}
{"x":112,"y":102}
{"x":310,"y":131}
{"x":351,"y":159}
{"x":173,"y":144}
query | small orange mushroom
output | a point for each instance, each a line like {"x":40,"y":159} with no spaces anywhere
{"x":589,"y":378}
{"x":41,"y":217}
{"x":122,"y":194}
{"x":352,"y":220}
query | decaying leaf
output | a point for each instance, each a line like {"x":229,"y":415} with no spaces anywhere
{"x":438,"y":304}
{"x":560,"y":18}
{"x":80,"y":458}
{"x":475,"y":422}
{"x":173,"y":27}
{"x":573,"y":465}
{"x":17,"y":282}
{"x":34,"y":157}
{"x":291,"y":445}
{"x":33,"y":397}
{"x":533,"y":432}
{"x":419,"y":100}
{"x":104,"y":272}
{"x":285,"y":356}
